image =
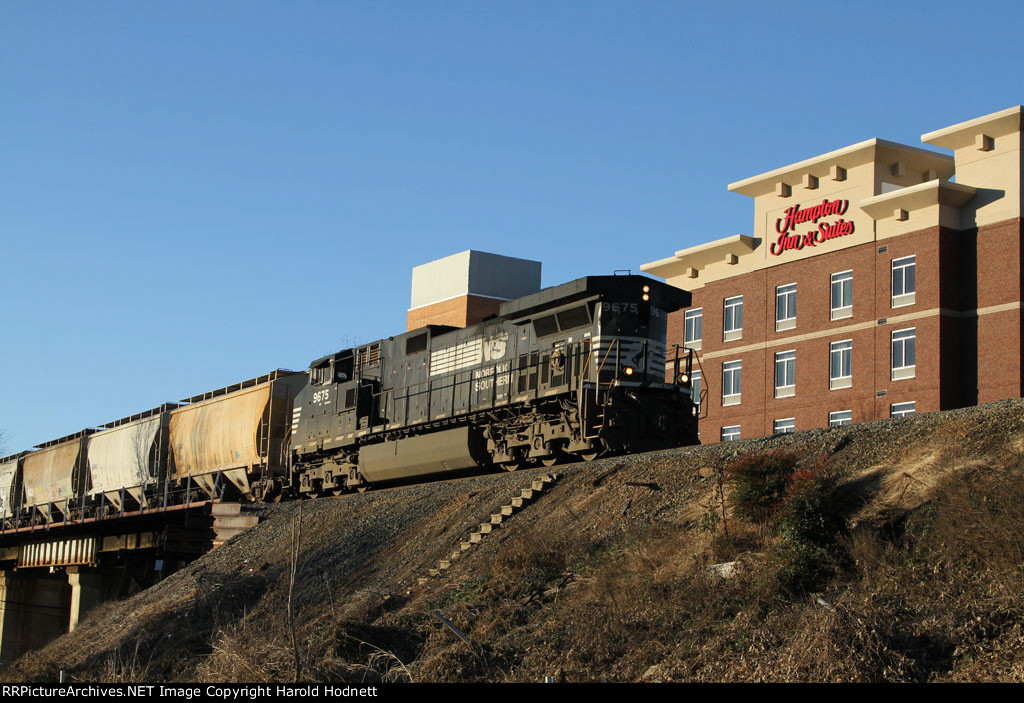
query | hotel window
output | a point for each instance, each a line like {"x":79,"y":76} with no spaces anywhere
{"x":904,"y":281}
{"x":902,"y":409}
{"x":695,"y":380}
{"x":785,"y":374}
{"x":903,"y":353}
{"x":693,"y":328}
{"x":840,"y":366}
{"x":842,"y":295}
{"x":730,"y":433}
{"x":732,"y":381}
{"x":785,"y":307}
{"x":733,"y":319}
{"x":840,"y":418}
{"x":784,"y":426}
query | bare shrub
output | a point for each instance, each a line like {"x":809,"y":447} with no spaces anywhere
{"x":759,"y":483}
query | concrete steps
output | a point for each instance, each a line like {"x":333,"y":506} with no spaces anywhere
{"x":228,"y":521}
{"x":525,"y":497}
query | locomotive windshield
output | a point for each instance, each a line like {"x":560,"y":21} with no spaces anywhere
{"x":629,"y":319}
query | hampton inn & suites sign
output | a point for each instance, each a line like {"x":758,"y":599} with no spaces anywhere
{"x":786,"y":226}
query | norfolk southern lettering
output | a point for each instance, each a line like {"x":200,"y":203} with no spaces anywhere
{"x":795,"y":215}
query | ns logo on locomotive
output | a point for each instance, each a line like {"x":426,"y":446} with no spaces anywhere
{"x":573,"y":371}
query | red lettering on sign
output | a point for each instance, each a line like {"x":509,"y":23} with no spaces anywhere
{"x":796,"y":215}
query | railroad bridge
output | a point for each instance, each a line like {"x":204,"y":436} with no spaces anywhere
{"x":52,"y":572}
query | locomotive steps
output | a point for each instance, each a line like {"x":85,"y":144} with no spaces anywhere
{"x":497,"y":519}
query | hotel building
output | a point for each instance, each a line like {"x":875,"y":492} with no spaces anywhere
{"x":880,"y":280}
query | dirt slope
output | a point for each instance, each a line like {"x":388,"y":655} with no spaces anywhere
{"x":606,"y":576}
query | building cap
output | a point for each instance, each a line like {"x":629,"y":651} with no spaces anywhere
{"x":918,"y":196}
{"x":473,"y":272}
{"x":963,"y":134}
{"x":852,"y":155}
{"x":700,"y":256}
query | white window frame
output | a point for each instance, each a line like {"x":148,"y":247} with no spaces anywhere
{"x":902,"y":265}
{"x":785,"y":319}
{"x":735,"y":369}
{"x":787,"y":387}
{"x":785,"y":425}
{"x":837,"y":382}
{"x":842,"y":308}
{"x":692,"y":319}
{"x":731,"y":331}
{"x":839,"y":418}
{"x":730,"y":433}
{"x":898,"y":348}
{"x":903,"y":409}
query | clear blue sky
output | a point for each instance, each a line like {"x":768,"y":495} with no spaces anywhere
{"x":194,"y":193}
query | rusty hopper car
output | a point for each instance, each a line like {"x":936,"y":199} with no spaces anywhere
{"x":55,"y":477}
{"x":571,"y":371}
{"x":239,"y":434}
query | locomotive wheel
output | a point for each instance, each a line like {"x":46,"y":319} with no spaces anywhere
{"x":513,"y":465}
{"x":589,"y":456}
{"x":550,"y":461}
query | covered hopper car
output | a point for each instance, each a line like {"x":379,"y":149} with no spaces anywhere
{"x":570,"y":372}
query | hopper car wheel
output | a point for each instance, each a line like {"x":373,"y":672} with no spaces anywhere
{"x":513,"y":465}
{"x":589,"y":456}
{"x":362,"y":489}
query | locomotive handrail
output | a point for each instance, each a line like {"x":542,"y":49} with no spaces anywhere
{"x":451,"y":382}
{"x":692,"y":354}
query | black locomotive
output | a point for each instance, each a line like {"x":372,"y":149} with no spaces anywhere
{"x":572,"y":371}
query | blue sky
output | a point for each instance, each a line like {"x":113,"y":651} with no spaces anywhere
{"x":192,"y":194}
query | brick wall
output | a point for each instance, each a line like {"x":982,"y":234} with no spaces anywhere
{"x":458,"y":312}
{"x":966,"y":316}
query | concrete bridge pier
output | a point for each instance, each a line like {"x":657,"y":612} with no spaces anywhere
{"x":89,"y":588}
{"x":35,"y":607}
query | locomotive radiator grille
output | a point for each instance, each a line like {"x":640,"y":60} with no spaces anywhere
{"x":456,"y":357}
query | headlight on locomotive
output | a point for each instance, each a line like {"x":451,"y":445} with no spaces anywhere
{"x":684,"y":378}
{"x":628,"y":370}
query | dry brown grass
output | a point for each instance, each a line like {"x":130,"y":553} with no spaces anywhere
{"x":927,"y":588}
{"x":925,"y":583}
